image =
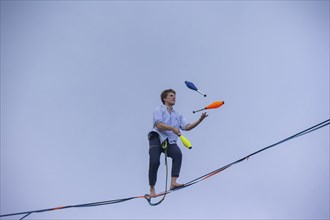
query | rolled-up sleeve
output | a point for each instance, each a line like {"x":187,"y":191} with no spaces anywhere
{"x":157,"y":116}
{"x":183,"y":123}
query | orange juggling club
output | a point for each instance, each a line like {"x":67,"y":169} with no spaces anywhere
{"x":215,"y":104}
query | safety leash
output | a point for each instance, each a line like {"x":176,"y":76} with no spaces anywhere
{"x":147,"y":196}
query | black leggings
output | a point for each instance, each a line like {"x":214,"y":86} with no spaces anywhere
{"x":155,"y":150}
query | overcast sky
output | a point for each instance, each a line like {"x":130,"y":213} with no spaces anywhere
{"x":80,"y":80}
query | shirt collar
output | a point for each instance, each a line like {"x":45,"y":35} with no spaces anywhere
{"x":165,"y":107}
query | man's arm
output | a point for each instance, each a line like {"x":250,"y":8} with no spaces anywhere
{"x":193,"y":125}
{"x":166,"y":127}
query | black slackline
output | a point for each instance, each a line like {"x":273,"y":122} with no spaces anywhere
{"x":109,"y":202}
{"x":306,"y":131}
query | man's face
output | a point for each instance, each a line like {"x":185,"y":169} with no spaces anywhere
{"x":170,"y":99}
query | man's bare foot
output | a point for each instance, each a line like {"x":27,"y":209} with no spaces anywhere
{"x":152,"y":191}
{"x":175,"y":185}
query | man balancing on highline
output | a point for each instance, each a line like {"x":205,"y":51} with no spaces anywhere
{"x":166,"y":125}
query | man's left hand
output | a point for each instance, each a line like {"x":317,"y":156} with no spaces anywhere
{"x":204,"y":115}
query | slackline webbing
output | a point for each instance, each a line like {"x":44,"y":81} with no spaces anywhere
{"x":147,"y":197}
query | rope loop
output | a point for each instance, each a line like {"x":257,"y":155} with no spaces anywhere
{"x":147,"y":197}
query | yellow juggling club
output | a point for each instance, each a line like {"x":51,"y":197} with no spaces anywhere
{"x":185,"y":142}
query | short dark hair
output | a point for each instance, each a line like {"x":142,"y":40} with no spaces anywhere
{"x":163,"y":95}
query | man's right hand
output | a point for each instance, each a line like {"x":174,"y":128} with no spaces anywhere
{"x":176,"y":131}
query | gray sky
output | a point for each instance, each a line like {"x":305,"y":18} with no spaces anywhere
{"x":80,"y":80}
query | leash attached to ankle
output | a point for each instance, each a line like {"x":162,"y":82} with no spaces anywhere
{"x":147,"y":196}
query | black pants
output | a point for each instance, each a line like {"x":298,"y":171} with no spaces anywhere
{"x":155,"y":150}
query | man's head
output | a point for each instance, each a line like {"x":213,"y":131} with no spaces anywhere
{"x":168,"y":97}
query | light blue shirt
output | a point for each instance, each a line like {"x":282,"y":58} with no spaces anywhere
{"x":173,"y":118}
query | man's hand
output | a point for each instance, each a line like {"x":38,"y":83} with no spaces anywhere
{"x":176,"y":131}
{"x":203,"y":116}
{"x":193,"y":125}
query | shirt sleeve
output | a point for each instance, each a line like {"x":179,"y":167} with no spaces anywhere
{"x":157,"y":116}
{"x":183,"y":123}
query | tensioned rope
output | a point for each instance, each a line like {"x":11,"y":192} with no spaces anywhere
{"x":148,"y":198}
